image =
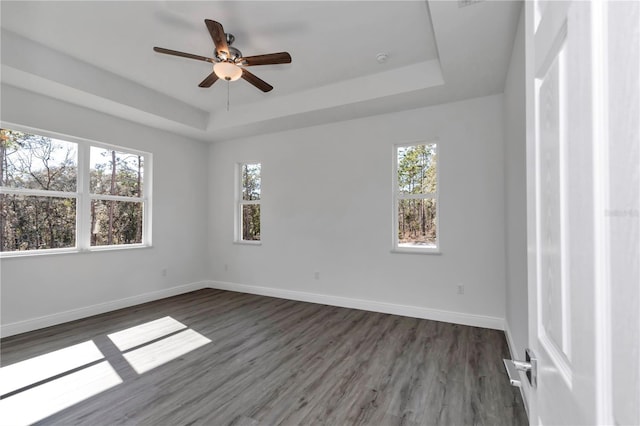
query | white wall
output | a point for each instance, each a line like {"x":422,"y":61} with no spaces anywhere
{"x":38,"y":290}
{"x":516,"y":197}
{"x":327,"y":207}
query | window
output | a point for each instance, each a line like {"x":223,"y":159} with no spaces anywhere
{"x":57,"y":194}
{"x":248,"y":203}
{"x":415,"y":211}
{"x":116,"y":186}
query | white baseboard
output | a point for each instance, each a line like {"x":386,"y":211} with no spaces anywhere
{"x":514,"y":355}
{"x":74,"y":314}
{"x":345,"y":302}
{"x":366,"y":305}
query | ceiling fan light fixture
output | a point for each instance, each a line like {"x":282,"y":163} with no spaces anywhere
{"x":227,"y":71}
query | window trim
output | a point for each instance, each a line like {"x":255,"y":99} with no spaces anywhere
{"x":84,"y":197}
{"x":397,"y":196}
{"x":239,"y":202}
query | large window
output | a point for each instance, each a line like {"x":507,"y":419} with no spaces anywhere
{"x":415,"y":214}
{"x":61,"y":195}
{"x":248,"y":203}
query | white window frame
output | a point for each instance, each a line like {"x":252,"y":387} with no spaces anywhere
{"x":240,"y":202}
{"x":398,"y":195}
{"x":83,"y":196}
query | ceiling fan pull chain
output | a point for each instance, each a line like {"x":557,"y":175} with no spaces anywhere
{"x":227,"y":95}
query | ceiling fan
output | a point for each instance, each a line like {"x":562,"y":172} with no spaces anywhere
{"x":228,"y":62}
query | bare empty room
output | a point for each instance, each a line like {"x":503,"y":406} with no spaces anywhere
{"x":413,"y":212}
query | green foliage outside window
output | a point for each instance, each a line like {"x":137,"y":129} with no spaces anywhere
{"x":417,"y":181}
{"x":116,"y":173}
{"x":34,"y":166}
{"x":250,"y":214}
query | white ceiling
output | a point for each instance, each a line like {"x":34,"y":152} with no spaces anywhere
{"x":99,"y":55}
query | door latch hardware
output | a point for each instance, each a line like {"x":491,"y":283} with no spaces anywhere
{"x":529,"y":367}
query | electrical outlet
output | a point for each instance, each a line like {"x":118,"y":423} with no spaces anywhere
{"x":460,"y":288}
{"x":164,"y":272}
{"x":226,"y":267}
{"x":316,"y":275}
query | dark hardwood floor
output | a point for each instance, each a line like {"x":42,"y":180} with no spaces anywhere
{"x":250,"y":360}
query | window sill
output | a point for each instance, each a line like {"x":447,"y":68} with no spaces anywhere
{"x":54,"y":252}
{"x":400,"y":250}
{"x":248,"y":243}
{"x":116,"y":248}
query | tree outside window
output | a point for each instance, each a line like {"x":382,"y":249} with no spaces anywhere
{"x":43,"y":202}
{"x":416,"y":197}
{"x":116,"y":186}
{"x":249,"y":202}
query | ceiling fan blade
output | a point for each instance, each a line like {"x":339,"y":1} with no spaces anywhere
{"x":259,"y":83}
{"x":207,"y":82}
{"x":218,"y":36}
{"x":269,"y":59}
{"x":183,"y":54}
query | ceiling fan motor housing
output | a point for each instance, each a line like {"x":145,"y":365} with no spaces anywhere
{"x":234,"y":54}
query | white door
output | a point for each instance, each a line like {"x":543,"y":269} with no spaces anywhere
{"x":583,"y":210}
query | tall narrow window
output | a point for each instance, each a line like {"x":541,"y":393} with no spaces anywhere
{"x":116,"y":188}
{"x":248,"y":210}
{"x":57,"y":194}
{"x":415,"y":213}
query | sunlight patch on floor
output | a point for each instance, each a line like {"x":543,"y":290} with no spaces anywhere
{"x":37,"y":403}
{"x":155,"y":354}
{"x":39,"y":387}
{"x":21,"y":374}
{"x":143,"y":333}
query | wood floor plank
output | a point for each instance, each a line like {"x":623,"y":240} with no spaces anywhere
{"x":340,"y":400}
{"x":319,"y":364}
{"x":489,"y":401}
{"x":264,"y":361}
{"x":275,"y":372}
